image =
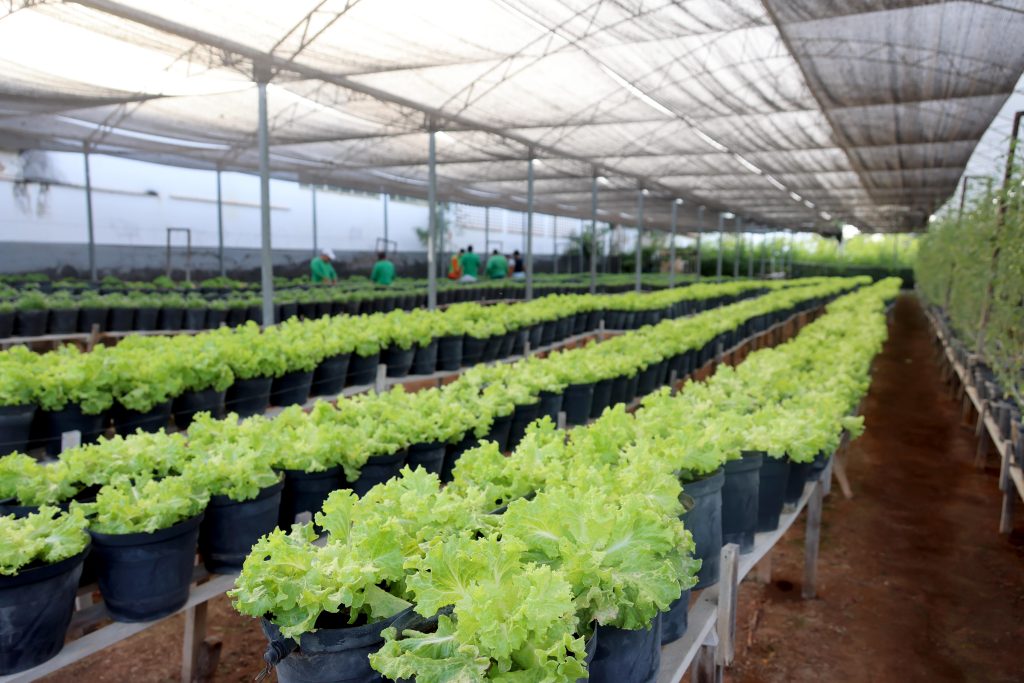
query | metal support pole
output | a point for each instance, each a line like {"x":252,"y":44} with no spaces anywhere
{"x":764,"y":249}
{"x":384,"y":201}
{"x":700,"y":231}
{"x":736,"y":247}
{"x":581,"y":246}
{"x":750,"y":256}
{"x":721,"y":235}
{"x":220,"y":227}
{"x":593,"y":234}
{"x":316,"y":235}
{"x":529,"y":227}
{"x":88,"y":215}
{"x":554,"y":243}
{"x":487,"y":231}
{"x":432,"y":222}
{"x":267,"y":264}
{"x":639,"y":239}
{"x":672,"y":244}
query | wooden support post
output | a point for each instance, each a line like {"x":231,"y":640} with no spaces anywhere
{"x":380,"y":382}
{"x":195,"y":634}
{"x":812,"y":538}
{"x":763,"y":569}
{"x":704,"y":668}
{"x":839,"y":469}
{"x":728,"y":592}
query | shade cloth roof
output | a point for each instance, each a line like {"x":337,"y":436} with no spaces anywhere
{"x":792,"y":113}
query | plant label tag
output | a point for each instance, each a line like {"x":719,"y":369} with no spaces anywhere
{"x":69,"y":440}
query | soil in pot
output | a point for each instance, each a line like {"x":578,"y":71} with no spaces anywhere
{"x":362,"y":369}
{"x":500,"y":430}
{"x":577,"y":403}
{"x":185,"y":406}
{"x":69,"y":419}
{"x":602,"y":397}
{"x":63,"y":320}
{"x":449,"y":353}
{"x":15,"y":428}
{"x":145,"y":576}
{"x":128,"y":421}
{"x":306,"y":492}
{"x":377,"y":470}
{"x":472,"y":350}
{"x":627,"y":656}
{"x":424,"y":361}
{"x":35,"y":609}
{"x":398,"y":360}
{"x":704,"y":521}
{"x":429,"y":456}
{"x":675,"y":620}
{"x":329,"y":376}
{"x":521,"y":418}
{"x":334,"y":653}
{"x":291,"y":388}
{"x":796,"y":480}
{"x":230,"y":528}
{"x":740,"y":500}
{"x":771,"y":492}
{"x":31,"y":323}
{"x":248,"y":397}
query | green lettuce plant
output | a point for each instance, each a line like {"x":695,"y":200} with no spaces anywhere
{"x":44,"y":537}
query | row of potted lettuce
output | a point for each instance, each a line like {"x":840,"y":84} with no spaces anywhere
{"x":142,"y":380}
{"x":120,"y":505}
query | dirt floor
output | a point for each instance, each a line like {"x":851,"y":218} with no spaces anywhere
{"x":914,"y":582}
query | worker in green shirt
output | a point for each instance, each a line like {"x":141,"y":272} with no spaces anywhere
{"x":320,"y":267}
{"x":383,"y":272}
{"x":497,"y":266}
{"x":470,"y":263}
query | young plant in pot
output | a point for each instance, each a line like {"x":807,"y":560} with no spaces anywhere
{"x":204,"y":380}
{"x":41,"y":559}
{"x":498,"y":617}
{"x":255,"y":359}
{"x":144,"y":534}
{"x":26,"y":484}
{"x":301,"y":356}
{"x":7,"y":315}
{"x":18,"y":367}
{"x":33,"y":312}
{"x":144,"y":379}
{"x":143,"y":455}
{"x":74,"y":390}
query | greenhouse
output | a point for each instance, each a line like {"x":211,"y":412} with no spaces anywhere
{"x":352,"y":341}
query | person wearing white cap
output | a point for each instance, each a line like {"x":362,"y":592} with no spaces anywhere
{"x":321,"y":269}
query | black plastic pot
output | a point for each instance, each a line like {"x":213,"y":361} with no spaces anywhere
{"x":424,"y":361}
{"x":740,"y":500}
{"x":230,"y":528}
{"x":145,"y":576}
{"x":31,"y":323}
{"x":329,"y":377}
{"x":507,"y":342}
{"x":69,"y":419}
{"x":248,"y":396}
{"x":618,"y":392}
{"x":291,"y":388}
{"x":7,"y":324}
{"x":602,"y":397}
{"x":170,"y":318}
{"x":87,"y":317}
{"x":551,"y":405}
{"x":306,"y":492}
{"x":648,"y":381}
{"x":522,"y":416}
{"x":63,"y":320}
{"x":185,"y":406}
{"x":704,"y":521}
{"x":194,"y":319}
{"x":491,"y":348}
{"x":449,"y":353}
{"x":547,"y":332}
{"x":536,"y":335}
{"x":577,"y":402}
{"x":333,"y":653}
{"x":216,"y":317}
{"x":818,"y":466}
{"x":122,"y":319}
{"x":500,"y":430}
{"x":771,"y":492}
{"x":377,"y":470}
{"x":675,"y":621}
{"x":632,"y":386}
{"x":15,"y":427}
{"x":35,"y":609}
{"x":398,"y":360}
{"x":453,"y":452}
{"x":146,"y":317}
{"x":429,"y":456}
{"x":127,"y":421}
{"x":795,"y":482}
{"x":362,"y":369}
{"x":472,"y":350}
{"x":627,"y":656}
